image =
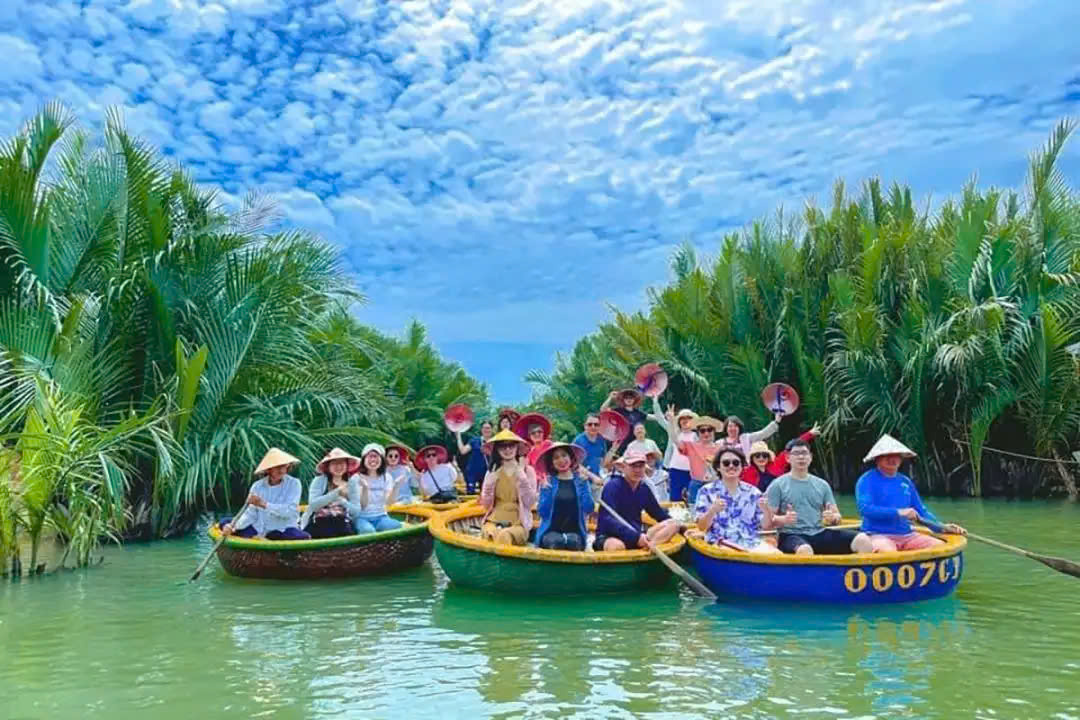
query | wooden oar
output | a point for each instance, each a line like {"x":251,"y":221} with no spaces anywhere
{"x":673,"y":566}
{"x":1068,"y":567}
{"x":206,"y":560}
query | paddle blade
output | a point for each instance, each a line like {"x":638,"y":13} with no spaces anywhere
{"x":1060,"y":564}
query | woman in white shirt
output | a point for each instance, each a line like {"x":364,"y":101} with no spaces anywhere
{"x":333,"y":496}
{"x":680,"y":430}
{"x":436,"y":477}
{"x":376,"y":487}
{"x":642,"y":443}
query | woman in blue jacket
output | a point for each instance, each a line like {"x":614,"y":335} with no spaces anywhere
{"x":565,"y":499}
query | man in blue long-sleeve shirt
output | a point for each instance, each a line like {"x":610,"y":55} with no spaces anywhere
{"x":888,"y":501}
{"x":627,"y":495}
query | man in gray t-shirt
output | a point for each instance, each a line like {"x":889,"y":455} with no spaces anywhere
{"x":808,"y":506}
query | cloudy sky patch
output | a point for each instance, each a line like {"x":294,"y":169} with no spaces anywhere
{"x":502,"y":169}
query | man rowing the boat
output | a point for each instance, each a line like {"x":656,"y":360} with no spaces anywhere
{"x":627,"y":495}
{"x":889,"y":502}
{"x":810,"y":506}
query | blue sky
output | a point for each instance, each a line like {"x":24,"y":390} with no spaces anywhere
{"x":504,"y":170}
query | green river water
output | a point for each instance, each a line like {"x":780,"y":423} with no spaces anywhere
{"x":131,"y":639}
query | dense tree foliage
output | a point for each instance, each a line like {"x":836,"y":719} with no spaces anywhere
{"x":153,"y":344}
{"x":955,"y":329}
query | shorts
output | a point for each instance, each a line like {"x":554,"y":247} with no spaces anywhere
{"x":824,"y":542}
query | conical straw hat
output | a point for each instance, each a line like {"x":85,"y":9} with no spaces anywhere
{"x":273,"y":458}
{"x":507,"y":436}
{"x":888,"y":445}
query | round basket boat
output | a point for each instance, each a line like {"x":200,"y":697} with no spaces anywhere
{"x":349,"y":556}
{"x":472,"y":562}
{"x":855,"y":579}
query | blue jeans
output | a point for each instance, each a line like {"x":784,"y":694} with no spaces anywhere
{"x":382,"y":523}
{"x":680,"y":481}
{"x":692,"y":491}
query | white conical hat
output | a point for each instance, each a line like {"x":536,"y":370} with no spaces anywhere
{"x":273,"y":458}
{"x":888,"y":445}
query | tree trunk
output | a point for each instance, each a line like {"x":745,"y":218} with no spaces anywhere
{"x":1067,"y":478}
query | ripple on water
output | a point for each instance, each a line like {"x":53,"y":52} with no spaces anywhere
{"x":134,"y":639}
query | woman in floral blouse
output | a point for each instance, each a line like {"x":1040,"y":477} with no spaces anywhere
{"x":729,"y":511}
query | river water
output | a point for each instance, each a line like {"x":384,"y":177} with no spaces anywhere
{"x":132,"y":639}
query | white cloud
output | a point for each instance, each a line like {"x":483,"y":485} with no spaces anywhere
{"x":542,"y":148}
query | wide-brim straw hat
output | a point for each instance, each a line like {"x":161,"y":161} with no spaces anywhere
{"x":521,"y":427}
{"x":709,"y":421}
{"x":421,"y":462}
{"x":634,"y":392}
{"x":511,"y":413}
{"x":352,"y":462}
{"x":405,"y":453}
{"x":577,"y":454}
{"x":273,"y":458}
{"x":888,"y":445}
{"x":761,"y":447}
{"x":506,"y":436}
{"x":684,"y":413}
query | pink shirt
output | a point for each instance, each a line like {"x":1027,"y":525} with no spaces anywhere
{"x":700,"y":455}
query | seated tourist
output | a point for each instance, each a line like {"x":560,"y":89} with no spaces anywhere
{"x":273,"y":509}
{"x":764,"y":467}
{"x":333,"y":496}
{"x":376,"y":487}
{"x":537,"y":429}
{"x":627,"y":494}
{"x":700,"y":455}
{"x":508,"y":491}
{"x":809,"y":506}
{"x":397,"y":466}
{"x":889,"y":503}
{"x":565,"y":499}
{"x":728,"y":511}
{"x":437,"y":479}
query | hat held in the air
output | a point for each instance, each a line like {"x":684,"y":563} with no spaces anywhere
{"x":275,"y":457}
{"x":888,"y":445}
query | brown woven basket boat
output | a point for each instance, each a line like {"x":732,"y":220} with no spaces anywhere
{"x":340,"y":557}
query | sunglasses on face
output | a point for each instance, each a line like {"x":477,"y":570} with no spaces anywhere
{"x":706,"y":430}
{"x":763,"y":456}
{"x":731,"y":463}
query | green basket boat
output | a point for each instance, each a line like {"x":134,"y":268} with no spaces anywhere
{"x":472,"y":562}
{"x":340,"y":557}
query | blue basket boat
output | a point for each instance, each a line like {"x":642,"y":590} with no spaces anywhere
{"x":860,"y":579}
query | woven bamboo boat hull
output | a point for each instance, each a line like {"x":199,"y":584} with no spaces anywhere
{"x":474,"y":563}
{"x":835,"y":579}
{"x":341,"y":557}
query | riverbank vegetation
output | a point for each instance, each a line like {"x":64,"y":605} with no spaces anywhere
{"x":956,"y":328}
{"x":153,"y":344}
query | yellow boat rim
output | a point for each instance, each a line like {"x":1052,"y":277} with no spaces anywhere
{"x":440,"y":529}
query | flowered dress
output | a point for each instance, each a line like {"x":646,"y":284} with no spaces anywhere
{"x":739,"y":521}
